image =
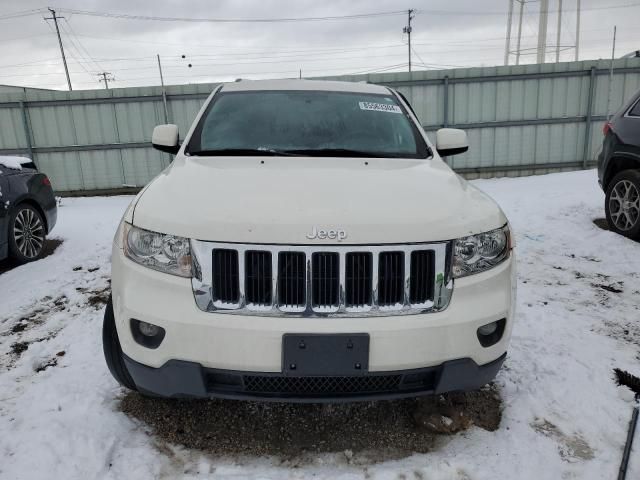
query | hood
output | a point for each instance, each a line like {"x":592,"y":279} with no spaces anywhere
{"x":283,"y":199}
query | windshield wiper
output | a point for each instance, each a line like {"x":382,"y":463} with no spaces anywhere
{"x":238,"y":152}
{"x":342,"y":152}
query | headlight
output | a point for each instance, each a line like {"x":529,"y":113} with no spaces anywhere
{"x":477,"y":253}
{"x":165,"y":253}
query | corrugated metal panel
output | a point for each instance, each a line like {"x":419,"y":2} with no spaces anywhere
{"x":64,"y":170}
{"x":101,"y":169}
{"x":12,"y":134}
{"x":136,"y":120}
{"x":97,"y":139}
{"x":142,"y":164}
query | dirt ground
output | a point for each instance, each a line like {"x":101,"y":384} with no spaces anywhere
{"x":378,"y":430}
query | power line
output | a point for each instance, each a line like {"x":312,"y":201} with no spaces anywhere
{"x":246,"y":61}
{"x":33,"y":63}
{"x":288,"y":48}
{"x":307,"y":19}
{"x":23,"y":13}
{"x":72,"y":35}
{"x":440,"y":12}
{"x":80,"y":59}
{"x":227,"y":20}
{"x":419,"y":57}
{"x":26,"y":36}
{"x":230,"y":64}
{"x":342,"y":71}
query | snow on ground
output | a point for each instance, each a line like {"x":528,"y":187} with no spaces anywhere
{"x":564,"y":415}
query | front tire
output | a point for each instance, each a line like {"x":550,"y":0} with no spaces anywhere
{"x":27,"y":233}
{"x":112,"y":350}
{"x":622,"y":204}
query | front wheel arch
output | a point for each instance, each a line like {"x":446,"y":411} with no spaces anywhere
{"x":31,"y":202}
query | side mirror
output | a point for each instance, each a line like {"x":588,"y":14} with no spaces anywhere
{"x":451,"y":141}
{"x":165,"y":138}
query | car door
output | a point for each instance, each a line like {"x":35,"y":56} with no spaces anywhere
{"x":4,"y":211}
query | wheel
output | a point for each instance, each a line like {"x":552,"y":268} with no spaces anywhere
{"x":112,"y":350}
{"x":26,"y":234}
{"x":622,"y":204}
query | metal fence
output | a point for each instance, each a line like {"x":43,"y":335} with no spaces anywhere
{"x":521,"y":120}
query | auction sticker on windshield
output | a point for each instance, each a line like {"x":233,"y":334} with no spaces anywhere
{"x":379,"y":107}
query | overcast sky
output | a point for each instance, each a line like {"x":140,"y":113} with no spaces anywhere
{"x":446,"y":33}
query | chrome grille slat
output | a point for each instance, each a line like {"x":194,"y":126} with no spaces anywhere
{"x":351,"y":280}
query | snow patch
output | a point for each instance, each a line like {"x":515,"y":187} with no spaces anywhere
{"x":564,"y":415}
{"x":14,"y":163}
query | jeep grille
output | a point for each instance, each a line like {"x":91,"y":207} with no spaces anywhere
{"x":320,"y":280}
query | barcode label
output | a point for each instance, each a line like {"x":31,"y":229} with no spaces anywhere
{"x":379,"y":107}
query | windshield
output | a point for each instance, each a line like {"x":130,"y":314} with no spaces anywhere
{"x":315,"y":123}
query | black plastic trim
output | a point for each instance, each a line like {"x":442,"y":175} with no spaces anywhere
{"x":449,"y":152}
{"x":182,"y":379}
{"x":172,"y":149}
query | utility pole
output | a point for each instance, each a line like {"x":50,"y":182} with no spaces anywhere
{"x":613,"y":56}
{"x":542,"y":30}
{"x":519,"y":32}
{"x":64,"y":59}
{"x":508,"y":41}
{"x":164,"y":93}
{"x":577,"y":30}
{"x":105,"y":79}
{"x":407,"y":30}
{"x":559,"y":31}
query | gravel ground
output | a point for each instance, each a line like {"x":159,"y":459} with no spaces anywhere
{"x":379,"y":430}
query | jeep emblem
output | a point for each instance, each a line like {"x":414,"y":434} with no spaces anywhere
{"x":332,"y":234}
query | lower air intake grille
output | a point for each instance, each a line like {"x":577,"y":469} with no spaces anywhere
{"x":321,"y":385}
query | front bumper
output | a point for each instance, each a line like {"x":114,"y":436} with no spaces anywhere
{"x":199,"y":345}
{"x":180,"y":379}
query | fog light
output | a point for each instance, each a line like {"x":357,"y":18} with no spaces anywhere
{"x":147,"y":334}
{"x":487,"y":329}
{"x":491,"y":333}
{"x":150,"y":330}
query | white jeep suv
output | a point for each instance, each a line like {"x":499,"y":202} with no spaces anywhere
{"x":308,"y":243}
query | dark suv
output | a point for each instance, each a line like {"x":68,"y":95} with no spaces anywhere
{"x":619,"y":169}
{"x":28,"y":209}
